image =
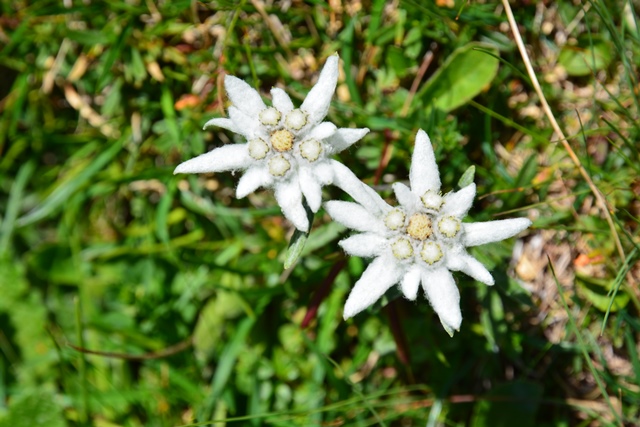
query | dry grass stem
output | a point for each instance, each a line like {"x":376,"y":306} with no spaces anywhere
{"x":601,"y":201}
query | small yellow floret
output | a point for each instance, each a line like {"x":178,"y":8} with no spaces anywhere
{"x":432,"y":200}
{"x":258,"y":149}
{"x":270,"y":116}
{"x":279,"y":166}
{"x":402,"y":249}
{"x":311,"y":149}
{"x":296,"y":119}
{"x":431,"y":252}
{"x":394,"y":219}
{"x":449,"y":226}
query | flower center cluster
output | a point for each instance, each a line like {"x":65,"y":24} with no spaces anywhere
{"x":282,"y":140}
{"x":425,"y":234}
{"x":283,"y":146}
{"x":419,"y":226}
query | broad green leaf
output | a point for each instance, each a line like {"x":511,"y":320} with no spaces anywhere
{"x":211,"y":321}
{"x":113,"y":98}
{"x":369,"y":156}
{"x":586,"y":57}
{"x":468,"y":71}
{"x":88,"y":37}
{"x":397,"y":60}
{"x":163,"y":211}
{"x":412,"y":43}
{"x":467,"y":177}
{"x":208,"y":330}
{"x":377,"y":123}
{"x":597,"y":292}
{"x":137,"y":67}
{"x":296,"y":245}
{"x":376,"y":17}
{"x":166,"y":102}
{"x":298,"y":240}
{"x":323,"y":236}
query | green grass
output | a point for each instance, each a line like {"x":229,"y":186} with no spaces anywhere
{"x":178,"y":289}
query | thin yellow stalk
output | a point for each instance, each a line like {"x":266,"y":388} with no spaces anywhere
{"x":600,"y":200}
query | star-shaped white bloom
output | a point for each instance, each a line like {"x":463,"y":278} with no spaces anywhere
{"x":420,"y":241}
{"x":288,"y":149}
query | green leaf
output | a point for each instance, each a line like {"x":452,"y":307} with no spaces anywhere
{"x":298,"y":240}
{"x":597,"y":292}
{"x":13,"y":283}
{"x":615,"y":286}
{"x":585,"y":57}
{"x":381,"y":123}
{"x":347,"y":39}
{"x":38,"y":408}
{"x":88,"y":37}
{"x":13,"y":205}
{"x":54,"y":264}
{"x":463,"y":75}
{"x":27,"y":312}
{"x":137,"y":67}
{"x":63,"y":192}
{"x":113,"y":53}
{"x":467,"y":177}
{"x":211,"y":322}
{"x":166,"y":102}
{"x":527,"y":173}
{"x":376,"y":17}
{"x":397,"y":60}
{"x":162,"y":212}
{"x":296,"y":245}
{"x":226,"y":365}
{"x":113,"y":99}
{"x":323,"y":236}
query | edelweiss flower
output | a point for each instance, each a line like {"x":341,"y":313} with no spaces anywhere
{"x":419,"y":241}
{"x":287,"y":149}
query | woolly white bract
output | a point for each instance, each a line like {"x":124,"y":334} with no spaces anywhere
{"x":420,"y":241}
{"x":287,"y":149}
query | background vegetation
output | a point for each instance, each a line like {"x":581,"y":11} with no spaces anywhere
{"x":180,"y":287}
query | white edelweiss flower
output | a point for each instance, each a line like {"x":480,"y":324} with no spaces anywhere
{"x":420,"y":241}
{"x":288,"y":149}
